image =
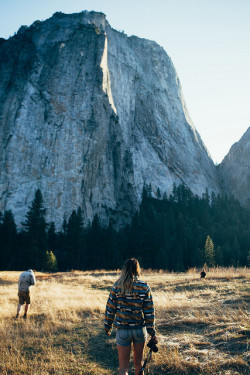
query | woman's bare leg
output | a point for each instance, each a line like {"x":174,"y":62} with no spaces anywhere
{"x":138,"y":353}
{"x":124,"y":355}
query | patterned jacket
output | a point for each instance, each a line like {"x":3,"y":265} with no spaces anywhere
{"x":132,"y":310}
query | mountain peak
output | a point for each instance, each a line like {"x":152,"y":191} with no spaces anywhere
{"x":235,"y":170}
{"x":89,"y":116}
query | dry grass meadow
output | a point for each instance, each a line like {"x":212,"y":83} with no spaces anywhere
{"x":203,"y":325}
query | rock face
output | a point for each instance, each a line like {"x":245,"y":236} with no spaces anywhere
{"x":234,"y":170}
{"x":89,"y":115}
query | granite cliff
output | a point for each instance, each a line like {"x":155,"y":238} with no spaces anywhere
{"x":234,"y":171}
{"x":88,"y":115}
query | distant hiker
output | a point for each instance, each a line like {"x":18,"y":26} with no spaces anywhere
{"x":203,"y":274}
{"x":130,"y":306}
{"x":25,"y":281}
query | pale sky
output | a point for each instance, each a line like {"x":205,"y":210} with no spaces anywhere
{"x":207,"y":40}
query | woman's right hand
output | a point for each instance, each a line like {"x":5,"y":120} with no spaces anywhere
{"x":154,"y":340}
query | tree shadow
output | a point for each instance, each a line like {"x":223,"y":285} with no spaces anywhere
{"x":193,"y":287}
{"x":233,"y":345}
{"x":103,"y":350}
{"x":177,"y":327}
{"x":101,"y":274}
{"x":7,"y":282}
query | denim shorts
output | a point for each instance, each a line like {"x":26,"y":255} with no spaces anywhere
{"x":125,"y":336}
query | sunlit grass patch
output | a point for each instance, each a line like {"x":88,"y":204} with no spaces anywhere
{"x":203,"y":325}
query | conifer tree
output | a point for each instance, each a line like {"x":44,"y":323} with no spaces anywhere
{"x":50,"y":262}
{"x":8,"y":238}
{"x":165,"y":196}
{"x":248,"y":259}
{"x":198,"y":257}
{"x":75,"y":240}
{"x":62,"y":250}
{"x":95,"y":243}
{"x":35,"y":234}
{"x":145,"y":192}
{"x":174,"y":195}
{"x":111,"y":252}
{"x":162,"y":259}
{"x":209,"y":254}
{"x":149,"y":191}
{"x":236,"y":252}
{"x":164,"y":233}
{"x":219,"y":256}
{"x":52,"y":237}
{"x":158,"y":193}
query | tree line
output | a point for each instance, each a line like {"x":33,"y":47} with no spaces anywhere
{"x":174,"y":233}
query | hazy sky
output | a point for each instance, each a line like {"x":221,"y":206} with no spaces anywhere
{"x":208,"y":41}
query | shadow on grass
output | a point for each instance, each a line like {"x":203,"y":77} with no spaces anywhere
{"x":185,"y":286}
{"x":233,"y":345}
{"x":85,"y":347}
{"x":49,"y":276}
{"x":193,"y":287}
{"x":182,"y":326}
{"x":39,"y":319}
{"x":101,"y":274}
{"x":102,"y":350}
{"x":6,"y":282}
{"x":226,"y":279}
{"x":107,"y":286}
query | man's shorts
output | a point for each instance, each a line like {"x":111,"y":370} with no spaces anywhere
{"x":125,"y":336}
{"x":24,"y":297}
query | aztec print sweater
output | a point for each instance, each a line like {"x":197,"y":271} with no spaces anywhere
{"x":134,"y":310}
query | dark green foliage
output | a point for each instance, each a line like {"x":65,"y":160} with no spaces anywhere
{"x":74,"y":241}
{"x":167,"y":233}
{"x":8,"y":240}
{"x":35,"y":236}
{"x":218,"y":256}
{"x":158,"y":194}
{"x":50,"y":262}
{"x":96,"y":245}
{"x":209,"y":254}
{"x":171,"y":233}
{"x":53,"y":243}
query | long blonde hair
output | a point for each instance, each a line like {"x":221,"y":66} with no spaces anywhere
{"x":131,"y":268}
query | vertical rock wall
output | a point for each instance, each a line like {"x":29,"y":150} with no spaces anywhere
{"x":234,"y":171}
{"x":89,"y":115}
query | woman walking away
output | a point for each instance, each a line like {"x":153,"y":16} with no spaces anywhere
{"x":130,"y":304}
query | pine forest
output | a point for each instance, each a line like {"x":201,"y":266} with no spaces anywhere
{"x":174,"y":233}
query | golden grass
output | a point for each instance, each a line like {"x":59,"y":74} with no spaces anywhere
{"x":203,"y":325}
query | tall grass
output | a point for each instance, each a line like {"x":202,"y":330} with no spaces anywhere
{"x":202,"y":325}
